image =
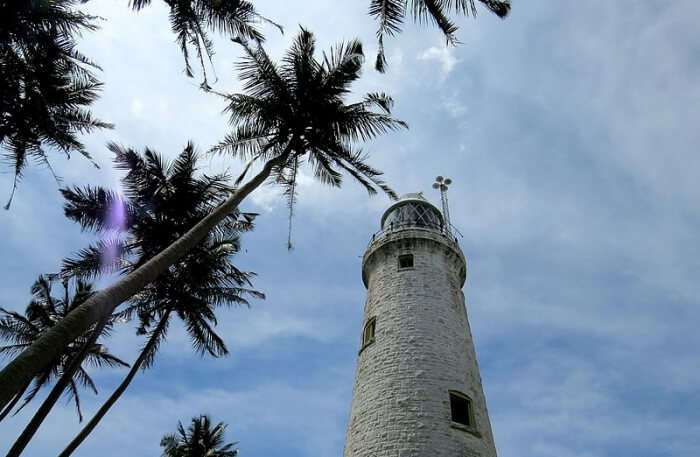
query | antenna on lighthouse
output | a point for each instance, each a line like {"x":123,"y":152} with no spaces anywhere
{"x":442,"y":184}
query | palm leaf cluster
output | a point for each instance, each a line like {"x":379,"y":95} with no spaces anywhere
{"x":48,"y":84}
{"x":391,"y":14}
{"x":192,"y":20}
{"x":42,"y":313}
{"x":295,"y":114}
{"x":161,"y":201}
{"x":199,"y":439}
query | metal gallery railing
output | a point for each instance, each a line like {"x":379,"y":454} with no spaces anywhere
{"x":450,"y":232}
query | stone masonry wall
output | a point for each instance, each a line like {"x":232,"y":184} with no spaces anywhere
{"x":422,"y":349}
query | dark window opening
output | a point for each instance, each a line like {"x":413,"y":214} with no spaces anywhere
{"x":406,"y":261}
{"x":461,"y":408}
{"x":368,"y":332}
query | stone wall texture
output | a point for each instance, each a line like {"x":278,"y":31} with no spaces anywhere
{"x":422,"y":350}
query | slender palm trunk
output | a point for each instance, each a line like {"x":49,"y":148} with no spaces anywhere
{"x":23,"y":368}
{"x":14,"y":401}
{"x":80,"y":437}
{"x":43,"y":411}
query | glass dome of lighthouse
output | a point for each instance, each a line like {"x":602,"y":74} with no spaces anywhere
{"x":412,"y":210}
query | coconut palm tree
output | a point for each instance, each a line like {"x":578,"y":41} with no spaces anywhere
{"x":391,"y":13}
{"x":47,"y":84}
{"x":42,"y":313}
{"x":200,"y":439}
{"x":290,"y":114}
{"x":160,"y":202}
{"x":191,"y":21}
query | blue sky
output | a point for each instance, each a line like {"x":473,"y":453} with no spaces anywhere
{"x":569,"y":130}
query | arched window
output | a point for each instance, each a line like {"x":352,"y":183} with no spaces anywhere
{"x":461,"y":408}
{"x":368,"y":332}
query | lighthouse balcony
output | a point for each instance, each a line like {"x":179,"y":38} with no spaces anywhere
{"x":414,"y":212}
{"x":450,"y":233}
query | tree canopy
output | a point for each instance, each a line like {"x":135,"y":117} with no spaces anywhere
{"x":43,"y":312}
{"x":48,"y":85}
{"x":201,"y":438}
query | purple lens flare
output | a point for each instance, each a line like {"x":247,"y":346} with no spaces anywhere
{"x":116,"y":224}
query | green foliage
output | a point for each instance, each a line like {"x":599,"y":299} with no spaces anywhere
{"x":161,"y":201}
{"x":200,"y":439}
{"x":42,"y":313}
{"x":295,"y":113}
{"x":192,"y":20}
{"x":47,"y":84}
{"x":391,"y":14}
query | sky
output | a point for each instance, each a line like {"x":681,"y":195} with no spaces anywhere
{"x":568,"y":130}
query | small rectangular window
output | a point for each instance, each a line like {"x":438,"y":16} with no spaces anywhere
{"x":406,"y":261}
{"x":461,"y":409}
{"x":368,"y":332}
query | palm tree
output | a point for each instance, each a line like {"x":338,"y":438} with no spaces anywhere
{"x":47,"y":84}
{"x":391,"y":13}
{"x":191,"y":19}
{"x":200,"y":439}
{"x":291,"y":114}
{"x":161,"y":202}
{"x":42,"y":313}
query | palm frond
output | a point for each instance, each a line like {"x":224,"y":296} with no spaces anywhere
{"x":139,"y":4}
{"x":13,"y":349}
{"x":96,"y":208}
{"x":99,"y":357}
{"x":82,"y":376}
{"x":73,"y":392}
{"x":290,"y":193}
{"x":156,"y":338}
{"x":108,"y":255}
{"x":390,"y":15}
{"x":354,"y":164}
{"x":323,"y":169}
{"x":342,"y":66}
{"x":204,"y":339}
{"x":259,"y":74}
{"x":435,"y":11}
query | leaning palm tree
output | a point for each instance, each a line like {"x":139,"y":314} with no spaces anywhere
{"x":42,"y":313}
{"x":47,"y":84}
{"x":291,"y":114}
{"x":161,"y":202}
{"x":391,"y":13}
{"x":192,"y":20}
{"x":200,"y":439}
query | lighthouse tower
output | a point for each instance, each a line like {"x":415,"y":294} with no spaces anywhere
{"x":417,"y":387}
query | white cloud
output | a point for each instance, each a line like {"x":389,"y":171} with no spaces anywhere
{"x":454,"y":106}
{"x":137,"y":108}
{"x":444,"y":56}
{"x":557,"y":396}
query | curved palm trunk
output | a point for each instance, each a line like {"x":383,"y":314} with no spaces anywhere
{"x":23,"y":368}
{"x":14,"y":401}
{"x":80,"y":437}
{"x":43,"y":411}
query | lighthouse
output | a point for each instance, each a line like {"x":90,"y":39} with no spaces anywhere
{"x":417,"y":392}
